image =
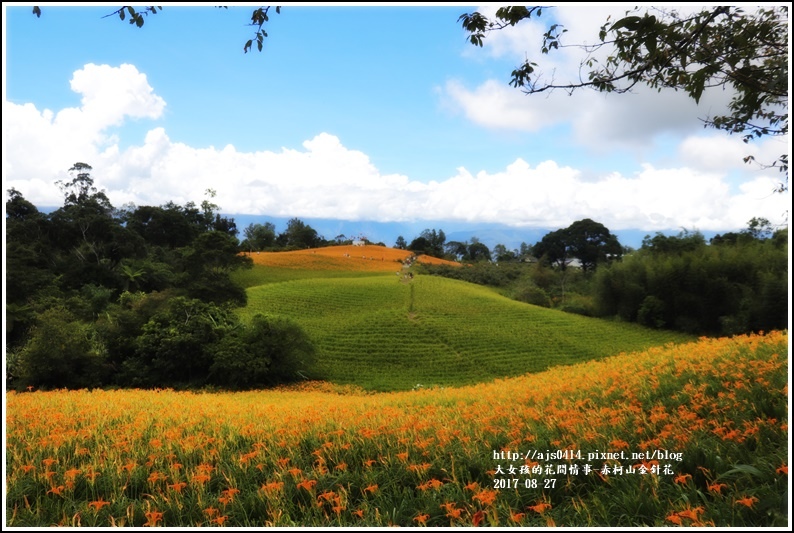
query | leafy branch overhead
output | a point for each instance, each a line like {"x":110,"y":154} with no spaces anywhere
{"x":259,"y":17}
{"x":724,"y":46}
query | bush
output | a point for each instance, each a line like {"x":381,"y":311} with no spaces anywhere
{"x":267,"y":351}
{"x":534,"y":295}
{"x":651,"y":312}
{"x":61,"y":353}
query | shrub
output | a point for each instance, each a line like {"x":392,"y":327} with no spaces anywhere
{"x":61,"y":353}
{"x":265,"y":352}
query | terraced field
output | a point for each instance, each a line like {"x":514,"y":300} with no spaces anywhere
{"x":389,"y":332}
{"x":328,"y":262}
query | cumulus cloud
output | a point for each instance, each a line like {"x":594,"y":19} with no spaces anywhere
{"x":42,"y":144}
{"x":325,"y":179}
{"x":599,"y":121}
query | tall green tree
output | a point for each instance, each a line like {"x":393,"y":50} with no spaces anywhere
{"x":586,"y":240}
{"x":299,"y":235}
{"x":430,"y":242}
{"x":259,"y":237}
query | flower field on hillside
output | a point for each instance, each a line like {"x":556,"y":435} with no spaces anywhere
{"x":345,"y":258}
{"x":683,"y":435}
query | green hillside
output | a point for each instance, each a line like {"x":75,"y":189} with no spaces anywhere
{"x":385,"y":333}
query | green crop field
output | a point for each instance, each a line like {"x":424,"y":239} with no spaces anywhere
{"x":383,"y":332}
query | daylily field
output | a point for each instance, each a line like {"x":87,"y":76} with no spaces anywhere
{"x":710,"y":418}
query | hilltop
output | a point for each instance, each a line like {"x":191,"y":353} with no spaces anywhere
{"x":369,"y":258}
{"x":385,"y":332}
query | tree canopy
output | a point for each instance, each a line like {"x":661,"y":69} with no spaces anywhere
{"x":738,"y":49}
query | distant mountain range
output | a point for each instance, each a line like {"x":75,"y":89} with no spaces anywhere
{"x":387,"y":232}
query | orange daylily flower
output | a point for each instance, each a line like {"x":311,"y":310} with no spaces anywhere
{"x":783,"y":469}
{"x":371,"y":488}
{"x":201,"y":478}
{"x":152,"y":518}
{"x":682,"y":479}
{"x":486,"y":496}
{"x":692,"y":514}
{"x":454,"y":514}
{"x":674,"y":518}
{"x":177,"y":487}
{"x":540,"y":508}
{"x":477,"y":519}
{"x":421,"y":518}
{"x":272,"y":486}
{"x":307,"y":484}
{"x":98,"y":504}
{"x":230,"y":492}
{"x":716,"y":487}
{"x":154,"y":477}
{"x":747,"y":501}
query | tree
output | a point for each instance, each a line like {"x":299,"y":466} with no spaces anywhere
{"x":663,"y":48}
{"x":586,"y":240}
{"x":61,"y":352}
{"x":501,"y":253}
{"x":592,"y":243}
{"x":259,"y":236}
{"x":554,"y":249}
{"x":299,"y":235}
{"x":478,"y":251}
{"x":430,"y":242}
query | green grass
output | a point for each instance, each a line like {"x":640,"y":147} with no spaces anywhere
{"x":381,"y":333}
{"x":261,"y":275}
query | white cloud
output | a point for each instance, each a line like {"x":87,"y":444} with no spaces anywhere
{"x":599,"y":121}
{"x":41,"y":145}
{"x":499,"y":106}
{"x":325,"y":179}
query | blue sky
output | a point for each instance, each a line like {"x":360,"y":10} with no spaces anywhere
{"x":382,"y":113}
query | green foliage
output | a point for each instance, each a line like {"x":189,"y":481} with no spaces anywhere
{"x":267,"y":351}
{"x":61,"y":352}
{"x":259,"y":237}
{"x":532,"y":294}
{"x":682,"y":283}
{"x":586,"y":240}
{"x":176,"y":344}
{"x":258,"y":19}
{"x":73,"y":270}
{"x":429,"y":242}
{"x":299,"y":235}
